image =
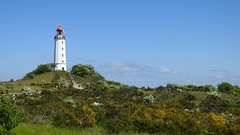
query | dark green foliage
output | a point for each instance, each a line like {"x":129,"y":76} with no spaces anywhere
{"x":190,"y":87}
{"x":228,"y":103}
{"x":190,"y":97}
{"x":187,"y":104}
{"x":43,"y":68}
{"x":100,"y":113}
{"x":10,"y":116}
{"x":19,"y":96}
{"x":168,"y":93}
{"x":226,"y":87}
{"x":148,"y":89}
{"x":205,"y":88}
{"x":85,"y":71}
{"x":211,"y":104}
{"x":127,"y":94}
{"x":113,"y":83}
{"x":216,"y":104}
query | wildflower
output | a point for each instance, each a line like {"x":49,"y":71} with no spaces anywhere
{"x":97,"y":103}
{"x":148,"y":99}
{"x":214,"y":93}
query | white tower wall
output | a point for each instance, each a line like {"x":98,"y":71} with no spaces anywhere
{"x":60,"y":54}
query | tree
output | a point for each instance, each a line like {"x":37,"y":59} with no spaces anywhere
{"x":86,"y":71}
{"x":10,"y":116}
{"x":226,"y":87}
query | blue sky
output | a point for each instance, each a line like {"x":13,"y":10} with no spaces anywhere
{"x":135,"y":42}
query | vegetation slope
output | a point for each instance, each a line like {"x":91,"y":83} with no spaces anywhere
{"x":48,"y":97}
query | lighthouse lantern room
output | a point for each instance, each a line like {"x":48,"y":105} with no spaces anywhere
{"x":60,"y":50}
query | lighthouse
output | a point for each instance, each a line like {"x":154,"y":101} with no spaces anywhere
{"x":60,"y":50}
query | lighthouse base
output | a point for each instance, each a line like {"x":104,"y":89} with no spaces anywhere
{"x":60,"y":67}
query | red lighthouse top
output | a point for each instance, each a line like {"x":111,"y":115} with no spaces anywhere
{"x":59,"y":33}
{"x":59,"y":28}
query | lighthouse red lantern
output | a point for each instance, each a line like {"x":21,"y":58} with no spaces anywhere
{"x":59,"y":34}
{"x":59,"y":28}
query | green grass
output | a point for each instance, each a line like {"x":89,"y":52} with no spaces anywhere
{"x":18,"y":85}
{"x":230,"y":96}
{"x":200,"y":95}
{"x":31,"y":129}
{"x":34,"y":129}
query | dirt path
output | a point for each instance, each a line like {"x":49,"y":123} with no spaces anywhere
{"x":75,"y":84}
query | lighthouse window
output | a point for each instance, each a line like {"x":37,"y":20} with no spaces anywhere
{"x":62,"y":54}
{"x":62,"y":42}
{"x":62,"y":61}
{"x":62,"y":48}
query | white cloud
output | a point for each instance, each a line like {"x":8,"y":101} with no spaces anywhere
{"x":220,"y":76}
{"x":124,"y":66}
{"x":165,"y":70}
{"x":137,"y":70}
{"x":127,"y":69}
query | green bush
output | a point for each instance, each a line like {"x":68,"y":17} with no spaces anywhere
{"x":86,"y":71}
{"x":214,"y":104}
{"x":226,"y":87}
{"x":10,"y":116}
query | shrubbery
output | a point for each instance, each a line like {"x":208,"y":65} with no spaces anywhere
{"x":39,"y":70}
{"x":226,"y":87}
{"x":127,"y":109}
{"x":10,"y":116}
{"x":120,"y":108}
{"x":86,"y":71}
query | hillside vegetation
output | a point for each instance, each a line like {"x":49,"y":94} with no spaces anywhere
{"x":49,"y":98}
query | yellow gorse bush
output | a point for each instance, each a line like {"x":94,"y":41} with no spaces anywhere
{"x":172,"y":119}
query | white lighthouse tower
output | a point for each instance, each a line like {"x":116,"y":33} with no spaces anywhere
{"x":60,"y":50}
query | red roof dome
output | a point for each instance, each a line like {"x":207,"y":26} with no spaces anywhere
{"x":59,"y":28}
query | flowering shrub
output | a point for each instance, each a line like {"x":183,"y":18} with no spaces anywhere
{"x":214,"y":93}
{"x":30,"y":93}
{"x":159,"y":118}
{"x":228,"y":116}
{"x":148,"y":99}
{"x":97,"y":103}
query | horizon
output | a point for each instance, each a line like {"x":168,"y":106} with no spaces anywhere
{"x":132,"y":42}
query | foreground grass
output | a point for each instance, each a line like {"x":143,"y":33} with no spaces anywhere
{"x":30,"y":129}
{"x":33,"y":129}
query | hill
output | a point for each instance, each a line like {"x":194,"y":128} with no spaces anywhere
{"x":49,"y":97}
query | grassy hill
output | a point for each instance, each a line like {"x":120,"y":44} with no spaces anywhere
{"x":16,"y":86}
{"x":50,"y":99}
